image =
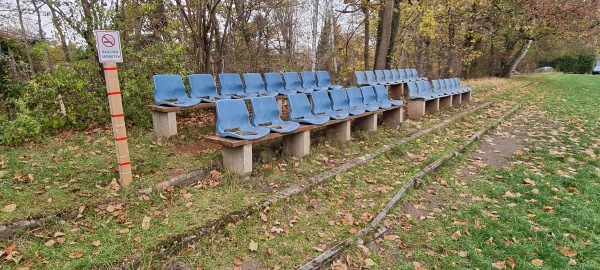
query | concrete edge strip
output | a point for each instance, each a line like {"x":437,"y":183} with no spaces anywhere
{"x":328,"y":255}
{"x":181,"y":240}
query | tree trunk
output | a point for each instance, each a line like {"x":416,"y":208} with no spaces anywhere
{"x":366,"y":48}
{"x":61,"y":35}
{"x":510,"y":68}
{"x":315,"y":19}
{"x":384,"y":33}
{"x":394,"y":34}
{"x":39,"y":18}
{"x":24,"y":37}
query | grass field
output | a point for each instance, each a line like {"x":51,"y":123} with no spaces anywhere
{"x":560,"y":157}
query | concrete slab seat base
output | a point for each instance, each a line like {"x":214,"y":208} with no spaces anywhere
{"x":164,"y":119}
{"x":237,"y":154}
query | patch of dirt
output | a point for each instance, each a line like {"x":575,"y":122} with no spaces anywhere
{"x":199,"y":147}
{"x":499,"y":146}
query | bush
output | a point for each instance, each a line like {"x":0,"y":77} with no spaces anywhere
{"x":579,"y":63}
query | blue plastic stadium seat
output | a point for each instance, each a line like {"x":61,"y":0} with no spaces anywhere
{"x":371,"y":78}
{"x":300,"y":111}
{"x":416,"y":75}
{"x":293,"y":83}
{"x":253,"y":83}
{"x":396,"y":76}
{"x":275,"y":84}
{"x":437,"y":88}
{"x":340,"y":102}
{"x":403,"y":75}
{"x":412,"y":76}
{"x":450,"y":86}
{"x":389,"y":77}
{"x":382,"y":97}
{"x":463,"y":88}
{"x":170,"y":90}
{"x":425,"y":90}
{"x":309,"y":81}
{"x":446,"y":88}
{"x":323,"y":80}
{"x":265,"y":113}
{"x":361,"y":78}
{"x":413,"y":92}
{"x":233,"y":120}
{"x":355,"y":99}
{"x":203,"y":86}
{"x":321,"y":105}
{"x":231,"y":85}
{"x":370,"y":99}
{"x":380,"y":77}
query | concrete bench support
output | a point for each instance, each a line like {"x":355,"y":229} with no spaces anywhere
{"x":396,"y":91}
{"x":340,"y":131}
{"x":297,"y":144}
{"x":238,"y":159}
{"x":432,"y":106}
{"x":393,"y":118}
{"x":445,"y":102}
{"x":456,"y":99}
{"x":466,"y":97}
{"x":416,"y":108}
{"x":164,"y":123}
{"x":368,"y":123}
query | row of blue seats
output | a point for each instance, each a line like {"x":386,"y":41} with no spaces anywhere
{"x":233,"y":118}
{"x":170,"y":90}
{"x":441,"y":88}
{"x":387,"y":76}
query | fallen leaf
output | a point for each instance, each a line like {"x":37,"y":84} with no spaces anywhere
{"x":50,"y":243}
{"x":238,"y":261}
{"x":9,"y":208}
{"x":512,"y":262}
{"x":369,"y":263}
{"x":499,"y":265}
{"x":59,"y":234}
{"x":456,"y":236}
{"x":418,"y":266}
{"x":96,"y":243}
{"x":567,"y":251}
{"x":75,"y":255}
{"x":338,"y":265}
{"x":528,"y":182}
{"x":463,"y":254}
{"x":263,"y":217}
{"x":490,"y":241}
{"x":573,"y":190}
{"x":548,"y":209}
{"x":572,"y":262}
{"x":353,"y":230}
{"x":537,"y":262}
{"x":253,"y":246}
{"x":110,"y":208}
{"x":123,"y":231}
{"x":391,"y":237}
{"x":146,"y":223}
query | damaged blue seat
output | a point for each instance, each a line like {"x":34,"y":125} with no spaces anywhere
{"x":380,"y":77}
{"x":275,"y":84}
{"x":233,"y":120}
{"x":355,"y":99}
{"x":231,"y":85}
{"x":340,"y":102}
{"x":203,"y":86}
{"x":321,"y":105}
{"x":309,"y":81}
{"x":323,"y":80}
{"x":265,"y":113}
{"x":293,"y":83}
{"x":300,"y":111}
{"x":170,"y":90}
{"x":361,"y":78}
{"x":253,"y":83}
{"x":383,"y":98}
{"x":369,"y":98}
{"x":371,"y":78}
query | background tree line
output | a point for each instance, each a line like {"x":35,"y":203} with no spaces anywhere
{"x":50,"y":79}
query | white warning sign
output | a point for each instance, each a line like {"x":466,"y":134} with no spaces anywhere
{"x":109,"y":46}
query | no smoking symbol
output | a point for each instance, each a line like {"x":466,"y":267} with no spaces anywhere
{"x":108,"y":40}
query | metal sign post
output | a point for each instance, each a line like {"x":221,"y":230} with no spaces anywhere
{"x":109,"y":53}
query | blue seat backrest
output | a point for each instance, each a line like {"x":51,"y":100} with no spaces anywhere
{"x":368,"y":93}
{"x":449,"y":84}
{"x":355,"y":97}
{"x":320,"y":102}
{"x":254,"y":83}
{"x":274,"y":81}
{"x":413,"y":90}
{"x":443,"y":85}
{"x":231,"y":114}
{"x":323,"y":79}
{"x":395,"y":75}
{"x":361,"y":78}
{"x":299,"y":105}
{"x":264,"y":110}
{"x":380,"y":76}
{"x":415,"y":73}
{"x":409,"y":74}
{"x":456,"y":83}
{"x":402,"y":73}
{"x":371,"y":78}
{"x":231,"y":83}
{"x":381,"y":93}
{"x":436,"y":85}
{"x":292,"y":81}
{"x":308,"y":79}
{"x":202,"y":85}
{"x":339,"y":99}
{"x":168,"y":86}
{"x":388,"y":75}
{"x":423,"y":89}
